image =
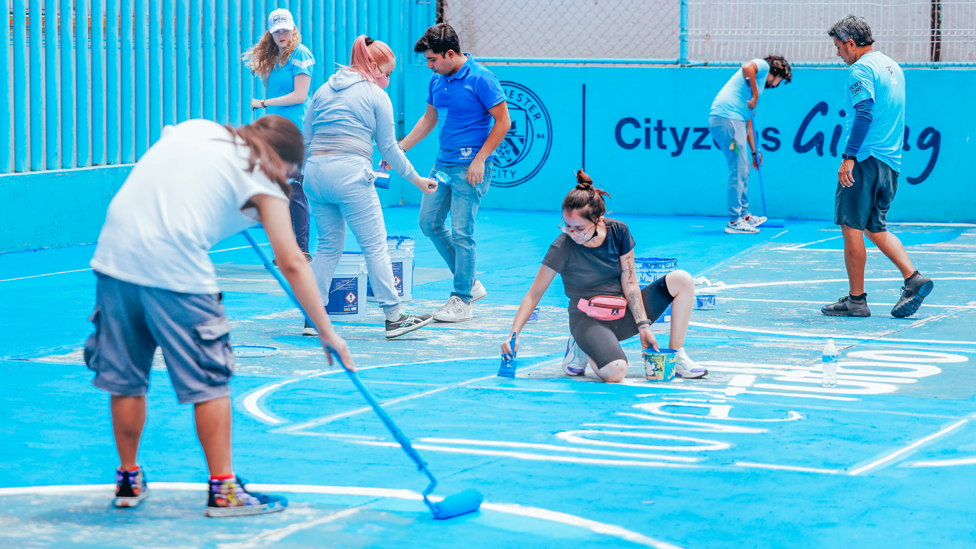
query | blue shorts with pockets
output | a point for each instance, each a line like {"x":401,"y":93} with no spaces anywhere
{"x":132,"y":320}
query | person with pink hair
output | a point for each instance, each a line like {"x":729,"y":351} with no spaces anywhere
{"x":347,"y":114}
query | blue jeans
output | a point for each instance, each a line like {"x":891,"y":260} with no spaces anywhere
{"x":456,"y":245}
{"x":299,"y":213}
{"x":725,"y":132}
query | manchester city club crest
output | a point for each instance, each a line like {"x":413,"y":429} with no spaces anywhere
{"x":526,"y":147}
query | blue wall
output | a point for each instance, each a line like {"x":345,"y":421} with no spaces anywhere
{"x":679,"y":171}
{"x":56,"y":208}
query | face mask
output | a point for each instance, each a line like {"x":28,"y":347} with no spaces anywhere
{"x":383,"y":81}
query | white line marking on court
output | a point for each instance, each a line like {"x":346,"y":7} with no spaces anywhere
{"x":507,"y":508}
{"x":945,"y":462}
{"x":270,"y":536}
{"x":825,"y":281}
{"x":786,"y":468}
{"x":927,"y":304}
{"x":553,"y":447}
{"x":873,"y":337}
{"x":532,"y":457}
{"x":914,"y":224}
{"x":46,"y":274}
{"x":780,"y":234}
{"x":909,"y":448}
{"x":523,"y":389}
{"x":251,"y":402}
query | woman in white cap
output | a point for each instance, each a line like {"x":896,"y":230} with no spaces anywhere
{"x":284,"y":65}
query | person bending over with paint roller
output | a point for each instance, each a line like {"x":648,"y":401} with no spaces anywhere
{"x":730,"y":123}
{"x":595,"y":256}
{"x":199,"y":184}
{"x":348,"y":113}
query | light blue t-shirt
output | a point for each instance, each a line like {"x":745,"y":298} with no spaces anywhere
{"x":731,"y":101}
{"x":462,"y":101}
{"x":876,"y":76}
{"x":281,"y":81}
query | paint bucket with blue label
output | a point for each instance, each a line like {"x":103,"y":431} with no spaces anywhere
{"x":401,"y":256}
{"x":650,"y":270}
{"x":659,"y":366}
{"x":347,"y":292}
{"x":705,"y":302}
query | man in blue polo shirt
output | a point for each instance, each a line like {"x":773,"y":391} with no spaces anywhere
{"x":868,"y":176}
{"x":471,"y":103}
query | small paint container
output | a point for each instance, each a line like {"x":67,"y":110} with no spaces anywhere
{"x":705,"y":302}
{"x":659,"y":366}
{"x":535,"y":316}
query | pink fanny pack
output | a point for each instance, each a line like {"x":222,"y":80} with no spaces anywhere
{"x":604,"y":307}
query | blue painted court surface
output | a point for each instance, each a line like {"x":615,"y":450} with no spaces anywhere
{"x":758,"y":454}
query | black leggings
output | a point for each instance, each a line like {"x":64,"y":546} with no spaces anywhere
{"x":600,"y":339}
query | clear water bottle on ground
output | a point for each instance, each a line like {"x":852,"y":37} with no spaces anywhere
{"x":830,"y":364}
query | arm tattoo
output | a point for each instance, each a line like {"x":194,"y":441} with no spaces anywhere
{"x":635,"y":301}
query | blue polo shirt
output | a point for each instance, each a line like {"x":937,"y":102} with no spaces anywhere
{"x":876,"y":76}
{"x":281,"y":81}
{"x":462,"y":101}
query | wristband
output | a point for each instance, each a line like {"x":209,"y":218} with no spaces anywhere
{"x":846,"y":156}
{"x":644,"y":322}
{"x":263,"y":105}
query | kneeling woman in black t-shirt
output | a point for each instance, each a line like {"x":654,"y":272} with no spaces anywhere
{"x":595,"y":257}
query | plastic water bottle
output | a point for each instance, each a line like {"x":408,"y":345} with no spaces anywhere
{"x":830,"y":364}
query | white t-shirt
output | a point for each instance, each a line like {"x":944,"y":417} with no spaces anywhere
{"x":181,"y":198}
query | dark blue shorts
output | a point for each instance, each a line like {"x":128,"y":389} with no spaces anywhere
{"x":132,"y":320}
{"x":864,"y":206}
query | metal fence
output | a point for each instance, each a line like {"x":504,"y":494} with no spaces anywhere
{"x":92,"y":82}
{"x":929,"y":33}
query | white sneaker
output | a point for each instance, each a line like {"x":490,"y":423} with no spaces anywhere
{"x":686,"y":367}
{"x":740,"y":226}
{"x":454,"y":310}
{"x":755,"y":220}
{"x":309,"y":330}
{"x":575,"y":360}
{"x":478,"y":291}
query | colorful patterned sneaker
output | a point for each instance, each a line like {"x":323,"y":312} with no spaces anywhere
{"x":229,"y":498}
{"x":916,"y":288}
{"x":686,"y":367}
{"x":755,"y":220}
{"x":478,"y":291}
{"x":740,"y":226}
{"x":575,"y":360}
{"x":406,"y":324}
{"x":846,"y":306}
{"x":130,"y":488}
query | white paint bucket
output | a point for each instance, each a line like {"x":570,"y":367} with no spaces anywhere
{"x":401,"y":256}
{"x":648,"y":271}
{"x":348,"y":289}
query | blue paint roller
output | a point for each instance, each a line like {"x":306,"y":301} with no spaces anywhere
{"x":467,"y":501}
{"x":771,"y":223}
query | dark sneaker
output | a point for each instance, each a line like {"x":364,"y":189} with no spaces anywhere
{"x":229,"y":498}
{"x":406,"y":324}
{"x":130,"y":488}
{"x":309,"y":330}
{"x":916,"y":288}
{"x":846,"y":306}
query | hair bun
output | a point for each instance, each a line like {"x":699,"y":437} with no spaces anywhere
{"x":369,"y":41}
{"x":584,"y":181}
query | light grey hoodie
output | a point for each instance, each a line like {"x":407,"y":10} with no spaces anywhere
{"x":347,"y":114}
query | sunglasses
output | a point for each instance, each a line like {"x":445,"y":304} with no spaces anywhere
{"x":575,"y":231}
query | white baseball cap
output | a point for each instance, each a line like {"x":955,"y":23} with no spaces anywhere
{"x":280,"y":19}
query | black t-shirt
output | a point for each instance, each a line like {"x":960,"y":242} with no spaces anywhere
{"x":589,"y":272}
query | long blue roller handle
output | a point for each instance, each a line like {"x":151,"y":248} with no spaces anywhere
{"x":384,"y":417}
{"x":762,"y":192}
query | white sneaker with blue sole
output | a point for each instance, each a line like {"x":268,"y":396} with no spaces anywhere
{"x":575,"y":360}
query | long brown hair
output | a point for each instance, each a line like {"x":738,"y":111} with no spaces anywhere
{"x":273,"y":141}
{"x":263,"y":56}
{"x":586,"y":199}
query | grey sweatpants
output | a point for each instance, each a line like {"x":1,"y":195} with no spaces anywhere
{"x":731,"y":138}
